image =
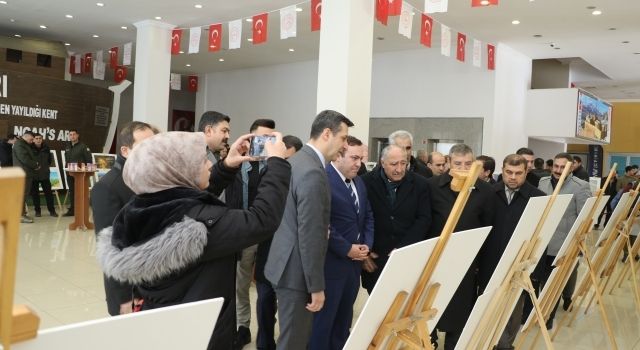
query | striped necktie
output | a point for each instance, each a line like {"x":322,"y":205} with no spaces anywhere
{"x":354,"y":198}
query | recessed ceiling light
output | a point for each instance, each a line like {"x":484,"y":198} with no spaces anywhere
{"x":299,"y":9}
{"x":188,"y":65}
{"x":537,"y":36}
{"x":556,"y":48}
{"x":17,"y":35}
{"x":3,"y":2}
{"x":198,"y":6}
{"x":67,"y":44}
{"x":68,"y":16}
{"x":626,"y":42}
{"x":515,"y":21}
{"x":221,"y":59}
{"x":596,"y":12}
{"x":181,"y":52}
{"x":249,"y":19}
{"x":636,"y":53}
{"x":250,"y":39}
{"x":12,"y":20}
{"x":99,"y":4}
{"x":380,"y":38}
{"x":484,"y":2}
{"x":43,"y":26}
{"x":158,"y":18}
{"x":96,"y":35}
{"x":291,"y":50}
{"x":612,"y":28}
{"x":124,"y":27}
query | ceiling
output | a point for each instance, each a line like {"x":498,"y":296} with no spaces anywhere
{"x":610,"y":42}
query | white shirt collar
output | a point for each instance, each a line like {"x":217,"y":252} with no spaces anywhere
{"x":344,"y":179}
{"x":318,"y":153}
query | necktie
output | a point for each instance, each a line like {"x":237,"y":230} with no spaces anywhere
{"x":354,"y":198}
{"x":510,"y":194}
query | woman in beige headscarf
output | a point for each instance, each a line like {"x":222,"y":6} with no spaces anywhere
{"x":177,"y":243}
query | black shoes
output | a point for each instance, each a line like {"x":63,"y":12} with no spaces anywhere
{"x":243,"y":337}
{"x":53,"y":214}
{"x":38,"y":214}
{"x":566,"y":304}
{"x":69,"y":213}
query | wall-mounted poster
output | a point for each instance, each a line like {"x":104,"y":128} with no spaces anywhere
{"x":54,"y":173}
{"x":593,"y":118}
{"x":104,"y":162}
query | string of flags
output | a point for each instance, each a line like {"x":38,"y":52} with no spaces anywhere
{"x":94,"y":62}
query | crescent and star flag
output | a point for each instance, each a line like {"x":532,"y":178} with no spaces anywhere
{"x":194,"y":39}
{"x":176,"y":35}
{"x":477,"y":53}
{"x":193,"y":83}
{"x":215,"y":37}
{"x":120,"y":74}
{"x":260,"y":28}
{"x":382,"y":11}
{"x":395,"y":7}
{"x":477,"y":3}
{"x":405,"y":25}
{"x":491,"y":57}
{"x":288,"y":22}
{"x":113,"y":57}
{"x":462,"y":42}
{"x":426,"y":30}
{"x":235,"y":34}
{"x":445,"y":40}
{"x":316,"y":12}
{"x":87,"y":63}
{"x":433,"y":6}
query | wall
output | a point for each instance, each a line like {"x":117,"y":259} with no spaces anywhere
{"x":549,"y":74}
{"x":30,"y":48}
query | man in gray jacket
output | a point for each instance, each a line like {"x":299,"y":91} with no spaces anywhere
{"x":295,"y":265}
{"x":581,"y":192}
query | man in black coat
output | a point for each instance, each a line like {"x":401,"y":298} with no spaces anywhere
{"x":400,"y":203}
{"x":404,"y":140}
{"x":478,"y":212}
{"x":25,"y":158}
{"x":578,"y":170}
{"x":43,"y":153}
{"x":511,"y":199}
{"x":6,"y":159}
{"x":76,"y":152}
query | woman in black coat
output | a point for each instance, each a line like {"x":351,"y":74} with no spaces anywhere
{"x":177,"y":243}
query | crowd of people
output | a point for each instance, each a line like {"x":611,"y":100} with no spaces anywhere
{"x":184,"y":216}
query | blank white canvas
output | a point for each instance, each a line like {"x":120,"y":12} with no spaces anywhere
{"x":611,"y":224}
{"x":402,"y":272}
{"x":523,"y":232}
{"x":185,"y":327}
{"x":586,"y":208}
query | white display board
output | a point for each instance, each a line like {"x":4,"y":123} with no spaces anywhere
{"x":522,"y":233}
{"x":185,"y":327}
{"x":402,"y":272}
{"x":55,"y":178}
{"x":582,"y":216}
{"x":617,"y":211}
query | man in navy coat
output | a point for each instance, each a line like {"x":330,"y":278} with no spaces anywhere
{"x":350,"y":239}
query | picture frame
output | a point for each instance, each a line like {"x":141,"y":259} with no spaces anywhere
{"x":55,"y":178}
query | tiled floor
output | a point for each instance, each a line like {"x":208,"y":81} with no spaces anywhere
{"x":58,"y":276}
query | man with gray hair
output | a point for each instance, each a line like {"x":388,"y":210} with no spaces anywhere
{"x":478,"y":212}
{"x":404,"y":140}
{"x":401,"y":214}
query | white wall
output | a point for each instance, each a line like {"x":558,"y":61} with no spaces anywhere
{"x":417,"y":83}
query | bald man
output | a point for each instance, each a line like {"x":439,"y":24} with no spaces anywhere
{"x":437,"y":163}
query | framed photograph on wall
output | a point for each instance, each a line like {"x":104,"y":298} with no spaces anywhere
{"x":593,"y":118}
{"x":54,"y":173}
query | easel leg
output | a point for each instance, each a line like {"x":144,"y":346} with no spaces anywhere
{"x":59,"y":204}
{"x":632,"y":260}
{"x":541,"y":321}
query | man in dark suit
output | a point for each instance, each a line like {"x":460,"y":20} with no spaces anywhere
{"x":578,"y":170}
{"x":108,"y":196}
{"x":511,"y":198}
{"x":350,"y":239}
{"x":478,"y":212}
{"x":404,"y":140}
{"x":400,"y":202}
{"x":295,"y":265}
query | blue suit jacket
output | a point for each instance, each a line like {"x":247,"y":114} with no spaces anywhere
{"x":347,"y":226}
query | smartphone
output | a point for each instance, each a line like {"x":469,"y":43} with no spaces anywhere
{"x":256,"y":149}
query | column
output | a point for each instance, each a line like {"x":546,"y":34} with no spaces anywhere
{"x":344,"y":69}
{"x":152,"y":69}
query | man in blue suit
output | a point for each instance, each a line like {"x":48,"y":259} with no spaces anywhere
{"x":350,"y":239}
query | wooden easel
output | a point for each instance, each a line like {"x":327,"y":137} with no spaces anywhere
{"x":565,"y":266}
{"x":629,"y":265}
{"x":497,"y":315}
{"x":17,"y":322}
{"x":407,"y":322}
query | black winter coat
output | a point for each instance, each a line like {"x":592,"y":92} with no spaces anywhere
{"x":478,"y":212}
{"x":182,"y":244}
{"x":506,"y":219}
{"x":405,"y":223}
{"x":43,"y":154}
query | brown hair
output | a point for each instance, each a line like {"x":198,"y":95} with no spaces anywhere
{"x":514,"y":160}
{"x":125,"y":137}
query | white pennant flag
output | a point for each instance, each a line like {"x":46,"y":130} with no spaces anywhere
{"x":235,"y":34}
{"x":176,"y":79}
{"x":288,"y":22}
{"x":194,"y":39}
{"x":433,"y":6}
{"x":445,"y":40}
{"x":406,"y":20}
{"x":126,"y":54}
{"x":477,"y":53}
{"x":99,"y":56}
{"x":78,"y":66}
{"x":98,"y":70}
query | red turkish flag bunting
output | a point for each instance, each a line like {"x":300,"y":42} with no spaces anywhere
{"x":462,"y":42}
{"x":382,"y":11}
{"x":395,"y":7}
{"x":193,"y":83}
{"x":215,"y":37}
{"x":427,"y":29}
{"x":72,"y":64}
{"x":176,"y":36}
{"x":260,"y":28}
{"x":491,"y":57}
{"x":87,"y":63}
{"x":120,"y":74}
{"x":113,"y":58}
{"x":478,"y":3}
{"x":316,"y":11}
